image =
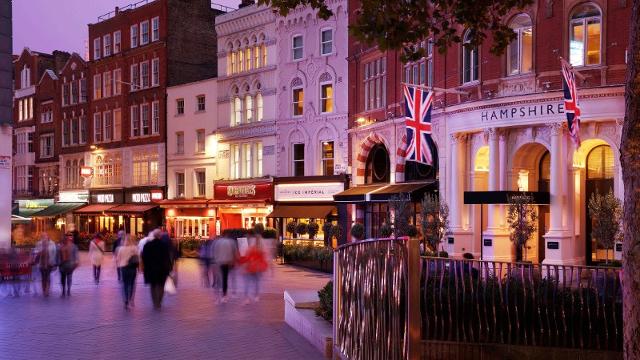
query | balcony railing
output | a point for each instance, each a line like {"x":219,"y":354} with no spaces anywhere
{"x":113,"y":13}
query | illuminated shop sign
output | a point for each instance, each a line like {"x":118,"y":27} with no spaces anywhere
{"x":258,"y":191}
{"x":308,"y":191}
{"x":105,"y":198}
{"x":141,"y":197}
{"x":73,"y":196}
{"x":34,"y":204}
{"x":517,"y":112}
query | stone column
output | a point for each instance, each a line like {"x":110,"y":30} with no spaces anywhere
{"x":456,"y":196}
{"x":558,"y":247}
{"x":495,"y":241}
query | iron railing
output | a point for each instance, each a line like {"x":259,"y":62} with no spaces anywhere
{"x":523,"y":304}
{"x":371,"y":300}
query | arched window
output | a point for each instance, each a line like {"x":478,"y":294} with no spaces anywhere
{"x":76,"y":173}
{"x":68,"y":173}
{"x":520,"y":51}
{"x":232,"y":67}
{"x":248,"y":108}
{"x":259,"y":107}
{"x":240,"y":60}
{"x":600,"y":163}
{"x":469,"y":60}
{"x":378,"y":165}
{"x":585,"y":30}
{"x":25,"y":77}
{"x":247,"y":56}
{"x":80,"y":166}
{"x":237,"y":110}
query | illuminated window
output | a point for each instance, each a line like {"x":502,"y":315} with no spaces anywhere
{"x":327,"y":158}
{"x":259,"y":159}
{"x":298,"y":102}
{"x":600,"y":163}
{"x":520,"y":51}
{"x":375,"y":83}
{"x":326,"y":98}
{"x":248,"y":108}
{"x":585,"y":35}
{"x":259,"y":107}
{"x":247,"y":160}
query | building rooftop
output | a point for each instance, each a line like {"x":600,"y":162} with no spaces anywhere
{"x":142,"y":3}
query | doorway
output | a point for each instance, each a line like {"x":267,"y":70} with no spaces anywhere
{"x":600,"y":172}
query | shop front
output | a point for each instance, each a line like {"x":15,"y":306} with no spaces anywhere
{"x":23,"y":228}
{"x":369,"y":204}
{"x":242,"y":203}
{"x":189,"y":218}
{"x":134,"y":210}
{"x":301,"y":201}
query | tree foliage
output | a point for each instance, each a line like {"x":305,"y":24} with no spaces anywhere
{"x":400,"y":208}
{"x":397,"y":25}
{"x":606,"y":215}
{"x":521,"y":217}
{"x":435,"y":220}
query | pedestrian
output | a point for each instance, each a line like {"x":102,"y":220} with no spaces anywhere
{"x":119,"y":241}
{"x":68,"y":262}
{"x":156,"y":265}
{"x":174,"y":254}
{"x":226,"y":255}
{"x":128,"y":261}
{"x":96,"y":253}
{"x":46,"y":257}
{"x":255,"y":264}
{"x":204,"y":254}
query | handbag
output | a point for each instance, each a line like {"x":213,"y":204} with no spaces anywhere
{"x":133,"y":261}
{"x":170,"y":286}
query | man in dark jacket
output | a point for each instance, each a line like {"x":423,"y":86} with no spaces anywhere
{"x":156,"y":262}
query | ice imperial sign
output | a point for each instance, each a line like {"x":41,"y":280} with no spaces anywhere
{"x":522,"y":112}
{"x":308,"y":191}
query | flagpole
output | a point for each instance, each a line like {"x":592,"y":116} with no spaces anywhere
{"x":437,"y":89}
{"x":574,"y":71}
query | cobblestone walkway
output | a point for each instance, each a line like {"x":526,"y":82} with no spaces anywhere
{"x":92,"y":323}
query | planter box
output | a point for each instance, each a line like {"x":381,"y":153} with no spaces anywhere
{"x":324,"y":266}
{"x":299,"y":314}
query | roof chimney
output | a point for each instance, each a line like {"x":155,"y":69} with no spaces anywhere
{"x":117,"y":10}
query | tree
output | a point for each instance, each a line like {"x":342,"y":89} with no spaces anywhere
{"x":400,"y":208}
{"x":606,"y":212}
{"x":521,"y":217}
{"x":435,"y":220}
{"x":397,"y":25}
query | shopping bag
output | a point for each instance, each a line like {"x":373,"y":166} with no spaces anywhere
{"x":170,"y":286}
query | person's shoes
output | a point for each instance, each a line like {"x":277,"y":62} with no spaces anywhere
{"x":224,"y":299}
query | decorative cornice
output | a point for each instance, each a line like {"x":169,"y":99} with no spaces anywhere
{"x":458,"y":138}
{"x":556,"y":128}
{"x":245,"y":131}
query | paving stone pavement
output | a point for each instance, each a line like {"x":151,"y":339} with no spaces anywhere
{"x":92,"y":323}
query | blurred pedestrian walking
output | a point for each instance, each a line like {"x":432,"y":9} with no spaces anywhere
{"x":205,"y":253}
{"x":96,"y":253}
{"x":226,"y":255}
{"x":255,"y":264}
{"x":119,"y":241}
{"x":128,"y":262}
{"x":46,"y":257}
{"x":156,"y":264}
{"x":68,"y":262}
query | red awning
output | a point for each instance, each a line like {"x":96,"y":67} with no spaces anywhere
{"x":131,"y":209}
{"x":93,"y":209}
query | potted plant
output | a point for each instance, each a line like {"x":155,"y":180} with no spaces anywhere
{"x":400,"y":207}
{"x":606,"y":215}
{"x":270,"y":233}
{"x":357,"y":232}
{"x":313,"y":229}
{"x":435,"y":220}
{"x":302,"y":228}
{"x":385,"y":230}
{"x":521,"y":217}
{"x":291,"y":228}
{"x":336,"y":233}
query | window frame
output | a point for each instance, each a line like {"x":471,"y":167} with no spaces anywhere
{"x":295,"y":161}
{"x":585,"y":22}
{"x":201,"y":141}
{"x":180,"y":106}
{"x":43,"y":146}
{"x":519,"y":30}
{"x":179,"y":142}
{"x":322,"y":42}
{"x":97,"y":48}
{"x":155,"y":28}
{"x":324,"y":160}
{"x":133,"y":36}
{"x":294,"y":102}
{"x":97,"y":128}
{"x":474,"y":72}
{"x":180,"y":185}
{"x":201,"y":103}
{"x":107,"y":49}
{"x":117,"y":41}
{"x":294,"y":48}
{"x":201,"y":187}
{"x":144,"y":41}
{"x":323,"y":99}
{"x":155,"y":72}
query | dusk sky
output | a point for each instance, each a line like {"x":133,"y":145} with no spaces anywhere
{"x":47,"y":25}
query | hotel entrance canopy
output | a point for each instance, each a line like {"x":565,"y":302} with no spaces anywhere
{"x":502,"y":197}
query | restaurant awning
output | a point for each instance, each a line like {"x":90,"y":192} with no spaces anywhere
{"x":58,"y":209}
{"x":356,"y":194}
{"x":93,"y":209}
{"x":415,"y":190}
{"x":302,"y":211}
{"x":384,"y":192}
{"x":17,"y":219}
{"x":131,"y":209}
{"x":502,"y":197}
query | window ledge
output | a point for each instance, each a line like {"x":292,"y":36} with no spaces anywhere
{"x":200,"y":111}
{"x":470,"y":84}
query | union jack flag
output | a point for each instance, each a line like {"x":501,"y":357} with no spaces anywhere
{"x":571,"y":106}
{"x":417,"y":105}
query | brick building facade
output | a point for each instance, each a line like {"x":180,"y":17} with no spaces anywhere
{"x":500,"y":125}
